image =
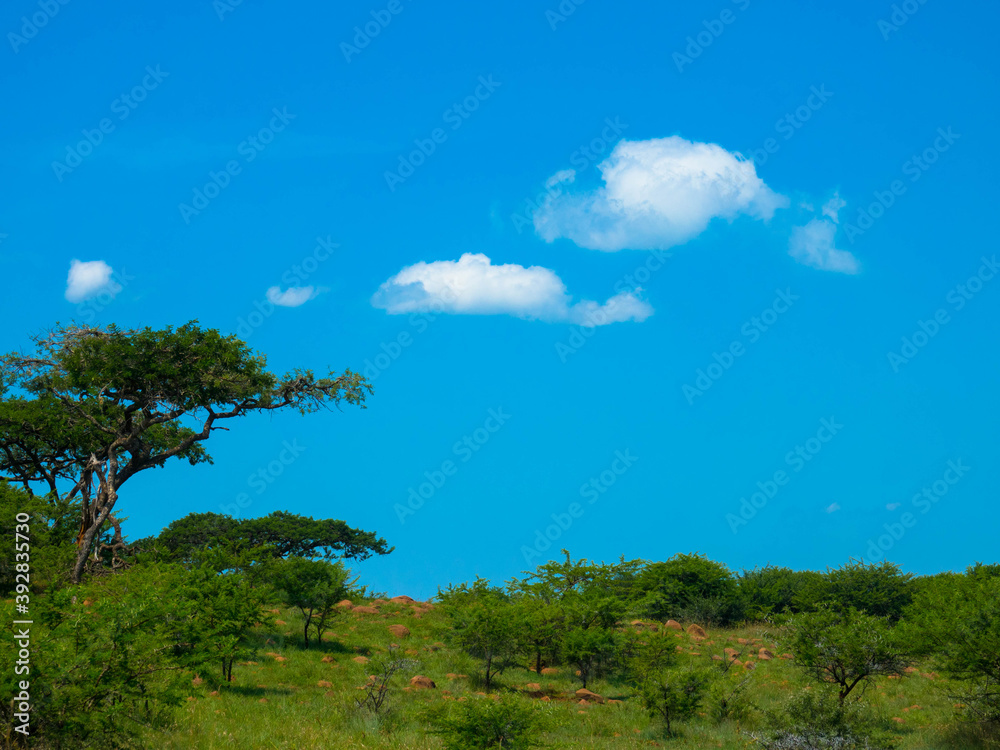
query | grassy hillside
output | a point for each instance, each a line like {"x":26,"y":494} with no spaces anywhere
{"x":290,"y":697}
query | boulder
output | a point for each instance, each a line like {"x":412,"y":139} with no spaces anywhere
{"x":345,"y":604}
{"x":422,"y":683}
{"x":550,"y":670}
{"x":673,"y":625}
{"x":765,"y":655}
{"x":403,"y":600}
{"x":360,"y":659}
{"x":324,"y":684}
{"x":361,"y":610}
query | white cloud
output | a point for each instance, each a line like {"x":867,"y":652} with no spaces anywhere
{"x":833,"y":508}
{"x":833,"y":206}
{"x":89,"y":278}
{"x":472,"y":285}
{"x":292,"y":297}
{"x":657,"y":194}
{"x":892,"y":506}
{"x":814,"y":245}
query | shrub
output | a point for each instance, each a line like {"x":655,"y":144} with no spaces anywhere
{"x":880,"y":589}
{"x":771,"y":590}
{"x":816,"y":720}
{"x":481,"y":723}
{"x":689,"y":584}
{"x":673,"y":695}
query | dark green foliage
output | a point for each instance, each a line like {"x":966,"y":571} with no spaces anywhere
{"x":689,"y":587}
{"x":673,"y":695}
{"x":848,"y":648}
{"x":91,"y":408}
{"x":958,"y":620}
{"x":817,"y":720}
{"x":880,"y":589}
{"x":51,"y":530}
{"x":772,"y":590}
{"x":107,"y":659}
{"x":278,"y":535}
{"x":486,"y":624}
{"x":483,"y":723}
{"x":314,"y":586}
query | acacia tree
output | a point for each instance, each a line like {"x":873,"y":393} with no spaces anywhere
{"x":91,"y":408}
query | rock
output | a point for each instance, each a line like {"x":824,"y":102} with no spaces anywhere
{"x":360,"y":610}
{"x":586,"y":696}
{"x":324,"y":684}
{"x":737,"y":663}
{"x":327,"y":659}
{"x":732,"y":653}
{"x":910,"y":670}
{"x":898,"y":720}
{"x":765,"y":655}
{"x":360,"y":659}
{"x":742,"y":641}
{"x":280,"y":658}
{"x":550,"y":670}
{"x":696,"y":631}
{"x":403,"y":600}
{"x":214,"y":693}
{"x":532,"y":686}
{"x":673,"y":625}
{"x":422,"y":683}
{"x":716,"y":657}
{"x":786,"y":656}
{"x":749,"y":665}
{"x":345,"y":604}
{"x":263,"y":700}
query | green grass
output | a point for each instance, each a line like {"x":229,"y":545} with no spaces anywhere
{"x":280,"y":704}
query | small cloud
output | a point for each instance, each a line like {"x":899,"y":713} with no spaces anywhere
{"x":89,"y":278}
{"x":892,"y":506}
{"x":472,"y":285}
{"x":833,"y":508}
{"x":563,"y":175}
{"x":294,"y":296}
{"x":657,"y":194}
{"x":833,"y":206}
{"x":814,"y":245}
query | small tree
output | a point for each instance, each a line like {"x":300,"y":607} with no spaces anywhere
{"x":486,"y":624}
{"x":673,"y":695}
{"x":847,"y":648}
{"x":589,"y":650}
{"x":314,"y":587}
{"x":880,"y":589}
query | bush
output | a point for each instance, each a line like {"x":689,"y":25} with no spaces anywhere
{"x":880,"y":589}
{"x":481,"y":723}
{"x":689,"y":585}
{"x":673,"y":695}
{"x":771,"y":590}
{"x":816,"y":720}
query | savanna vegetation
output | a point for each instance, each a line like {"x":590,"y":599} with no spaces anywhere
{"x":253,"y":633}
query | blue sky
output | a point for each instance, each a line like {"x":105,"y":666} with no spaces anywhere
{"x":612,"y":268}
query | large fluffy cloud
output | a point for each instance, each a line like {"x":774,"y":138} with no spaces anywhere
{"x":657,"y":194}
{"x":89,"y":278}
{"x":472,"y":285}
